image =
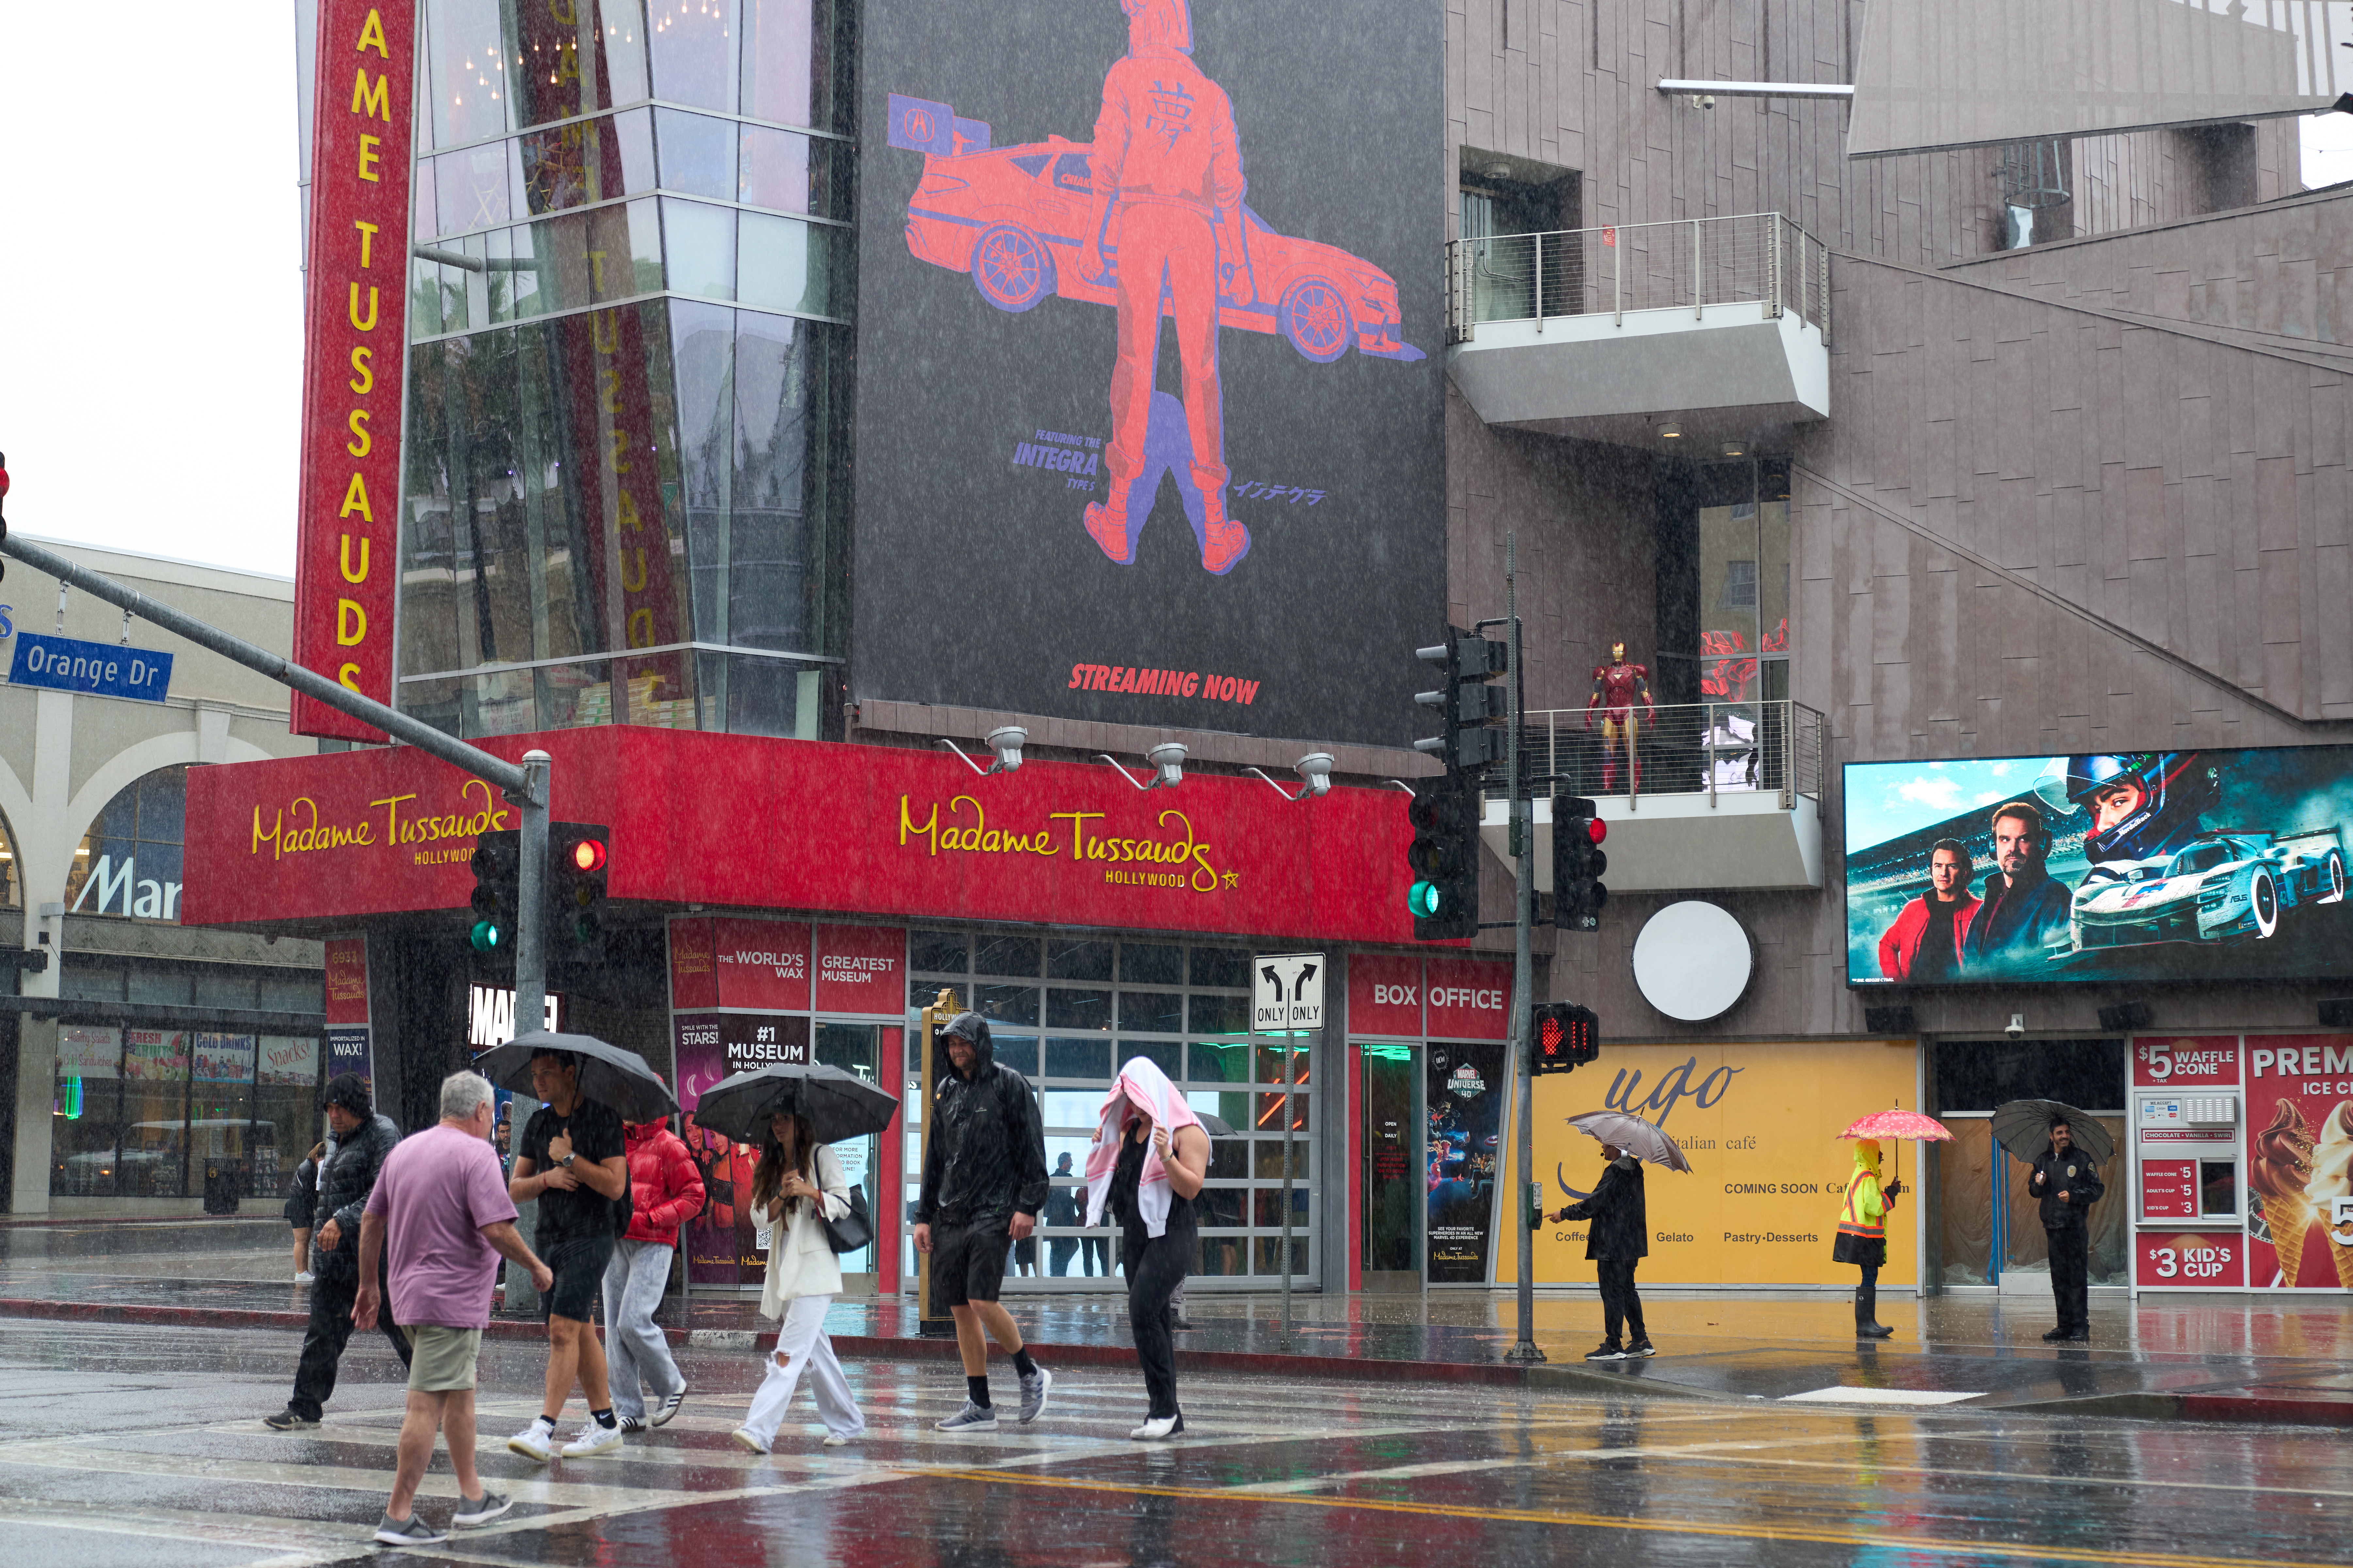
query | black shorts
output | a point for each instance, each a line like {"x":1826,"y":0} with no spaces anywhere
{"x":578,"y":1263}
{"x":968,"y":1262}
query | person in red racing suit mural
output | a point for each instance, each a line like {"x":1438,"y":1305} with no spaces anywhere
{"x":1168,"y":178}
{"x":1617,"y":687}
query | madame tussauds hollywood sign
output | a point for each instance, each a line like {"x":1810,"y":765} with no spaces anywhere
{"x":1177,"y":860}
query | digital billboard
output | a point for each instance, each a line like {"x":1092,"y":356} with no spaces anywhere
{"x":1149,"y":408}
{"x":2151,"y":866}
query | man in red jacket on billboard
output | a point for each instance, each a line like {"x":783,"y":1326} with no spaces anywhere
{"x":665,"y":1191}
{"x":1924,"y":945}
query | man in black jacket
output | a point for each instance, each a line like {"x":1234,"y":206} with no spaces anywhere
{"x":363,"y":1139}
{"x":983,"y":1183}
{"x":1617,"y":1239}
{"x":2026,"y":913}
{"x":2069,"y":1185}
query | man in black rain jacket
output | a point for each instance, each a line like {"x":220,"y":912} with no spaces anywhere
{"x":983,"y":1183}
{"x":1617,"y":1239}
{"x":2069,"y":1185}
{"x":363,"y":1139}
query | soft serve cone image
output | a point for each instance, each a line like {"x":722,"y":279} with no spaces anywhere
{"x":2332,"y":1178}
{"x":2281,"y":1166}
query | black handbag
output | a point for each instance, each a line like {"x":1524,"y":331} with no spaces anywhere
{"x":854,"y":1229}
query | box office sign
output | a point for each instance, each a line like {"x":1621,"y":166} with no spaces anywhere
{"x":1760,"y":1121}
{"x":803,"y":824}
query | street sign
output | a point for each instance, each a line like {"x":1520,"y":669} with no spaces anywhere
{"x":97,"y":668}
{"x":1286,"y":991}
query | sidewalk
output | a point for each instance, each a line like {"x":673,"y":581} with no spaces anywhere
{"x":2215,"y":1358}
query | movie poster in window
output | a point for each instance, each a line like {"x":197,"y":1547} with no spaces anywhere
{"x":1150,"y":318}
{"x":1465,"y":1100}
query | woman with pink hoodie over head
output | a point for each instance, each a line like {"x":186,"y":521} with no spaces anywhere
{"x":1146,"y":1167}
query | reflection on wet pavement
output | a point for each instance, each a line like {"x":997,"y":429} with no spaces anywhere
{"x":124,"y":1444}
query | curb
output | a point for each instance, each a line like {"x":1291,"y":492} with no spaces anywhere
{"x":2235,"y":1409}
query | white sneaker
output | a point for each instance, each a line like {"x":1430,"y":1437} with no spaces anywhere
{"x":593,"y":1438}
{"x":971,"y":1418}
{"x":536,"y":1441}
{"x":660,"y":1414}
{"x":1159,"y":1426}
{"x":746,"y":1438}
{"x":305,"y":1280}
{"x":841,"y":1439}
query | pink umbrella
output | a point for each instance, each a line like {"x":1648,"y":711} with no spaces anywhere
{"x":1892,"y":1126}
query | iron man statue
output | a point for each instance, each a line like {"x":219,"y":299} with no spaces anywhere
{"x":1617,"y":686}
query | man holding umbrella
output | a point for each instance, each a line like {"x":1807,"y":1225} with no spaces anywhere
{"x":2068,"y":1184}
{"x":1619,"y":1236}
{"x":574,"y":1162}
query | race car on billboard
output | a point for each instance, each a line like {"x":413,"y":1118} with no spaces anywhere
{"x":1014,"y":219}
{"x":2222,"y":886}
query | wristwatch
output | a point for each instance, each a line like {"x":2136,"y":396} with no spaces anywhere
{"x":566,"y":1161}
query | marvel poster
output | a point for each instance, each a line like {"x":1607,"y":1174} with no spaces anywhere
{"x":1148,"y":399}
{"x":2135,"y":865}
{"x":1465,"y":1100}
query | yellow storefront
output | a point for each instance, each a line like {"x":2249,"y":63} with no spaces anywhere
{"x":1759,"y":1123}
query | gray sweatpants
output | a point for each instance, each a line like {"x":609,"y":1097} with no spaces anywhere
{"x":638,"y":1352}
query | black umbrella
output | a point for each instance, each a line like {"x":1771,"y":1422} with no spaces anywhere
{"x":608,"y":1075}
{"x":2023,"y":1127}
{"x":837,"y":1105}
{"x":1215,"y":1126}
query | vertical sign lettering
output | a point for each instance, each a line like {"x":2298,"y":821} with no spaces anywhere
{"x":354,"y":335}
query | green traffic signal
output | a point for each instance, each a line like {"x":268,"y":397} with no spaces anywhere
{"x":1422,"y":899}
{"x":487,"y":936}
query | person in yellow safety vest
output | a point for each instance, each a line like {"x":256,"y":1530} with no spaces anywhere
{"x":1862,"y":1235}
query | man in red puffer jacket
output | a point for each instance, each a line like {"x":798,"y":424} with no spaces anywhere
{"x":665,"y":1191}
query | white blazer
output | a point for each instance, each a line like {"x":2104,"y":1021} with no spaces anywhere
{"x":801,"y":1261}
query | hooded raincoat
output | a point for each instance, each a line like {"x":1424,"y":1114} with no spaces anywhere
{"x":987,"y":1157}
{"x":1862,"y":1222}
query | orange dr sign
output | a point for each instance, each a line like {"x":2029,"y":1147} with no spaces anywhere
{"x":1769,"y":1174}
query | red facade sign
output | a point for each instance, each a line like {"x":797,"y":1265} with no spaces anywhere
{"x":2199,"y":1061}
{"x":354,"y":332}
{"x":763,"y":965}
{"x":1385,"y":994}
{"x":347,"y":980}
{"x":861,"y":969}
{"x":749,"y":823}
{"x":1468,"y":999}
{"x":2195,"y":1261}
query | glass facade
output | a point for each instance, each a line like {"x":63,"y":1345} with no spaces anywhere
{"x":629,"y":299}
{"x":128,"y":864}
{"x":1065,"y":1011}
{"x":143,"y":1113}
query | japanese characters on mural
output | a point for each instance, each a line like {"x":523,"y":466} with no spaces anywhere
{"x":2124,"y":865}
{"x":356,"y":330}
{"x":1181,"y":520}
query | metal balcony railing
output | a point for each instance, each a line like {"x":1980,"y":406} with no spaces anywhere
{"x":1713,"y":749}
{"x":1758,"y":259}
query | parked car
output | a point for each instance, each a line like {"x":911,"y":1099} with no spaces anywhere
{"x":2224,"y":886}
{"x":1014,"y":219}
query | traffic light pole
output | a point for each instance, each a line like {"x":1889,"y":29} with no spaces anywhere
{"x":1522,"y":843}
{"x":525,"y":785}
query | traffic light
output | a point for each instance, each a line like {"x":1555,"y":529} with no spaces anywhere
{"x":1577,"y":863}
{"x":1444,"y":859}
{"x":1565,"y":1037}
{"x":578,"y":857}
{"x":1466,"y":700}
{"x":497,"y":868}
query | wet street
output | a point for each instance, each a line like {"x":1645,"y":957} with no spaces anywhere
{"x":124,"y":1445}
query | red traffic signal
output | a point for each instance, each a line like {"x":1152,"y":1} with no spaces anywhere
{"x":588,"y":854}
{"x":1564,"y":1037}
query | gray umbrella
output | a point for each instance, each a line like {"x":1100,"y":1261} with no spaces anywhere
{"x":838,"y":1105}
{"x":608,"y":1074}
{"x":2023,"y":1127}
{"x":1634,"y":1135}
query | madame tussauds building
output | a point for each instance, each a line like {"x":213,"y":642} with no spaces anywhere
{"x":754,"y":401}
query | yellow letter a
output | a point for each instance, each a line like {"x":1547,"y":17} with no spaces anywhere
{"x":355,"y":499}
{"x":372,"y":32}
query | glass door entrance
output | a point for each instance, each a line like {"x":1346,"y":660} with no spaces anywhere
{"x":1392,"y":1181}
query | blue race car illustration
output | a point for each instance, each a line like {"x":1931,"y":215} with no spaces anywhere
{"x":2223,"y":887}
{"x":1013,"y":217}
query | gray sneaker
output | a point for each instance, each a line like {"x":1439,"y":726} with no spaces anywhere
{"x":1033,"y":1395}
{"x":483,"y":1509}
{"x":410,"y":1531}
{"x":971,"y":1418}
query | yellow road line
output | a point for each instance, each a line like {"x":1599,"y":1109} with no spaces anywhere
{"x":2031,"y":1551}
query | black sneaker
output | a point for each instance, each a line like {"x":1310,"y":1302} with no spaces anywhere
{"x":2054,"y":1336}
{"x":1640,"y":1349}
{"x":288,"y":1420}
{"x":1607,"y":1350}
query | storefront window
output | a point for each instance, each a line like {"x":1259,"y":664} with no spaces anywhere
{"x":7,"y":868}
{"x":87,"y":1121}
{"x":1185,"y":1008}
{"x":129,"y":861}
{"x":143,"y":1112}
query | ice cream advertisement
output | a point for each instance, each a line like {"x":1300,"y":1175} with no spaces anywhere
{"x":2300,"y":1161}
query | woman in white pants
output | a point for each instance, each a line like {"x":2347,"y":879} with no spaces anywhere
{"x":796,"y":1177}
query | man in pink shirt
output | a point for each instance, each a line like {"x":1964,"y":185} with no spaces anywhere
{"x":442,"y":1202}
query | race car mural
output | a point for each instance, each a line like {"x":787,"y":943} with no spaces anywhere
{"x":2224,"y":885}
{"x":1013,"y":217}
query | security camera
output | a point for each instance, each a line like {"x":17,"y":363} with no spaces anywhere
{"x":1169,"y":758}
{"x":1007,"y":742}
{"x":2017,"y":1025}
{"x":1314,"y":771}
